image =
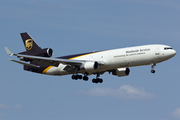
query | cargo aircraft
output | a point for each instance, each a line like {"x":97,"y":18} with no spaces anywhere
{"x":115,"y":61}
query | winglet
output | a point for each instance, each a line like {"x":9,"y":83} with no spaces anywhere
{"x":8,"y":51}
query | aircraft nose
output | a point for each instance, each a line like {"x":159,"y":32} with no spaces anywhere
{"x":169,"y":53}
{"x":173,"y":52}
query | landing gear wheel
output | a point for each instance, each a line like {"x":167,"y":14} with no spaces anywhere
{"x":98,"y":80}
{"x":153,"y":71}
{"x":75,"y":77}
{"x":94,"y":81}
{"x":152,"y":68}
{"x":79,"y":77}
{"x":85,"y":78}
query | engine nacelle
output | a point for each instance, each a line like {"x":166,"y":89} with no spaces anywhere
{"x":47,"y":52}
{"x":121,"y":72}
{"x":89,"y":66}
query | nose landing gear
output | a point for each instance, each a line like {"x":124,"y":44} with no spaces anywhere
{"x":153,"y":71}
{"x":152,"y":68}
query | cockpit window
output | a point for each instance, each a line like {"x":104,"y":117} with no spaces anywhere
{"x":167,"y":48}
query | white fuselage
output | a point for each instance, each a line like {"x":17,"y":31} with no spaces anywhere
{"x":121,"y":58}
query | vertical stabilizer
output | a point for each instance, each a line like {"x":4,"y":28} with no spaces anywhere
{"x":29,"y":43}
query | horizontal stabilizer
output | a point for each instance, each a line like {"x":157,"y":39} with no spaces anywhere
{"x":30,"y":65}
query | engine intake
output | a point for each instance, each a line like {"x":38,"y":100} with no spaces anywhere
{"x":47,"y":52}
{"x":120,"y":72}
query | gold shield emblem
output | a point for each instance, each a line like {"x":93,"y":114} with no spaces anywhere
{"x":29,"y":44}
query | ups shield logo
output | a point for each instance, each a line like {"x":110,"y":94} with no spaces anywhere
{"x":29,"y":44}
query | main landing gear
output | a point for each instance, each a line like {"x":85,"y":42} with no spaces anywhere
{"x":152,"y":68}
{"x":76,"y":77}
{"x":97,"y":80}
{"x":85,"y":78}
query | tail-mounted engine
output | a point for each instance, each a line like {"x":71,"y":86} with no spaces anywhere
{"x":46,"y":52}
{"x":121,"y":72}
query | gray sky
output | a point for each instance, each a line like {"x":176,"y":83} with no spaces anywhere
{"x":71,"y":27}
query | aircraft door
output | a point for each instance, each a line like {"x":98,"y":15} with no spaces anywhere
{"x":157,"y":54}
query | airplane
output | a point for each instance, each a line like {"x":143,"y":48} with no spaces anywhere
{"x":114,"y":61}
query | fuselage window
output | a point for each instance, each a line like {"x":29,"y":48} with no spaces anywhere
{"x":167,"y":48}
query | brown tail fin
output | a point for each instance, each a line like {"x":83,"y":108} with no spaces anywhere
{"x":29,"y":43}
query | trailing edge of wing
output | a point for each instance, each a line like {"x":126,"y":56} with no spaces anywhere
{"x":30,"y":65}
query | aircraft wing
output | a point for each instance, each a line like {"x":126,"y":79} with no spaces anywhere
{"x":50,"y":61}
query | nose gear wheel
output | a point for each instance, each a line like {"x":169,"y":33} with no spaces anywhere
{"x":152,"y":68}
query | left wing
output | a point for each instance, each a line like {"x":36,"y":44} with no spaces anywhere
{"x":51,"y":61}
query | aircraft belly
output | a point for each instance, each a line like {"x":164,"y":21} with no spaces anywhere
{"x":53,"y":71}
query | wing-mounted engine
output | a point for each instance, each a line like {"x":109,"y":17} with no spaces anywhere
{"x":89,"y":66}
{"x":120,"y":72}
